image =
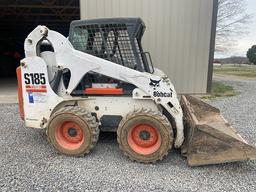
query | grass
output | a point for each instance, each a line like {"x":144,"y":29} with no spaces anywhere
{"x":248,"y":71}
{"x":220,"y":89}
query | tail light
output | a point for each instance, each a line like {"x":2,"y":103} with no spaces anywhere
{"x":20,"y":95}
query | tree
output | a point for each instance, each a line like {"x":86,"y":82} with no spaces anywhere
{"x":251,"y":54}
{"x":231,"y":23}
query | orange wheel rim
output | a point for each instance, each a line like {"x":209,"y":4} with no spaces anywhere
{"x":144,"y":139}
{"x":69,"y":135}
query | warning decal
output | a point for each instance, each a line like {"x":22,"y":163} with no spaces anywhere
{"x":36,"y":88}
{"x":37,"y":97}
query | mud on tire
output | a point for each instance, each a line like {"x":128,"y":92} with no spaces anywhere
{"x":145,"y":136}
{"x":73,"y":131}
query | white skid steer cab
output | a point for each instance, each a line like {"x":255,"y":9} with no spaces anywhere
{"x":100,"y":79}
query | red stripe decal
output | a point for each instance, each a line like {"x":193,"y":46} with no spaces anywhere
{"x":36,"y":90}
{"x":104,"y":91}
{"x":35,"y":86}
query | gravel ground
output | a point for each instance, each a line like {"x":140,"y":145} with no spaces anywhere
{"x":29,"y":163}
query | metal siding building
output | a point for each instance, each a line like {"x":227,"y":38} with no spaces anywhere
{"x":179,"y":35}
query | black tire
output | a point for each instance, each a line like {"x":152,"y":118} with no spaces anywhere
{"x":133,"y":146}
{"x":73,"y":131}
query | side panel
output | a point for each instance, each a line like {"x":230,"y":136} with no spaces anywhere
{"x":38,"y":97}
{"x":110,"y":110}
{"x":102,"y":105}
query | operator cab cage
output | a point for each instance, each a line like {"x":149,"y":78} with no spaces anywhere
{"x":114,"y":39}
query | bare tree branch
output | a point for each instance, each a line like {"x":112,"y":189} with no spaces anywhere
{"x":232,"y":22}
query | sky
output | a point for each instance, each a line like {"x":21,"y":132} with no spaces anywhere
{"x":245,"y":42}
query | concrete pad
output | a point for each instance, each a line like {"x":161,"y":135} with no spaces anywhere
{"x":8,"y":90}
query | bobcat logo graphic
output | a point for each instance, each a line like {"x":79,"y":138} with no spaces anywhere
{"x":154,"y":83}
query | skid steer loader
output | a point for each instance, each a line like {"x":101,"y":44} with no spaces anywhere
{"x":100,"y":79}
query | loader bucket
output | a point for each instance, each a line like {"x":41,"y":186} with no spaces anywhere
{"x":209,"y":138}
